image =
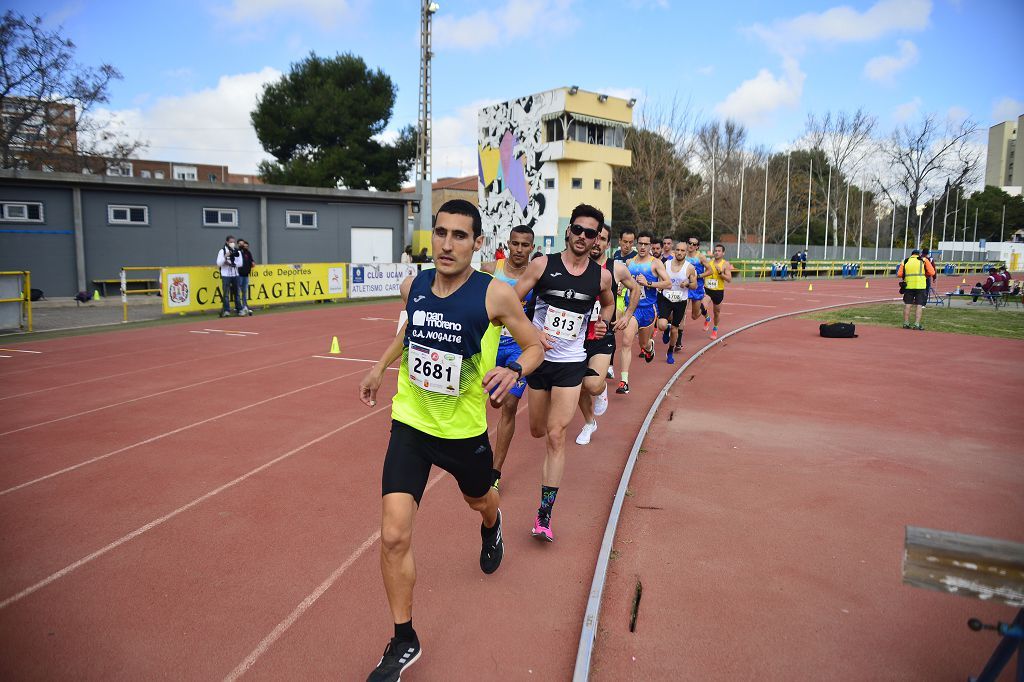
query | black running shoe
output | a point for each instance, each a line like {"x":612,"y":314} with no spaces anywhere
{"x":398,"y":656}
{"x":649,"y":354}
{"x":493,"y":548}
{"x":623,"y":388}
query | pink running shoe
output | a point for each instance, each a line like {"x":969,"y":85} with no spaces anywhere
{"x":542,"y":529}
{"x":714,"y":334}
{"x":707,"y":323}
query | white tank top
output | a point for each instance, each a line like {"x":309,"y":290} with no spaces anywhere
{"x":679,"y":279}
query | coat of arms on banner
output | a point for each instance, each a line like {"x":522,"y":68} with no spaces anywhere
{"x":335,"y":280}
{"x":177,"y":290}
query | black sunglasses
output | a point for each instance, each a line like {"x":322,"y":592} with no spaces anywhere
{"x":693,"y":243}
{"x":588,"y":232}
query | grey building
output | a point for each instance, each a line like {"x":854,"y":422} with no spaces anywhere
{"x":1004,"y":142}
{"x":71,"y":230}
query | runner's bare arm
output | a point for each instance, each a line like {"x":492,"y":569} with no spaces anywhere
{"x":727,"y":271}
{"x":607,"y":305}
{"x":489,"y":267}
{"x":371,"y":382}
{"x":625,"y":279}
{"x":663,"y":281}
{"x":504,"y":308}
{"x":692,"y":279}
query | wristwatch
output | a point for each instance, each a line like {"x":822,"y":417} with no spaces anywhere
{"x":515,"y":367}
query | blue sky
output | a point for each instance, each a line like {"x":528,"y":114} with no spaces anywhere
{"x":192,"y":70}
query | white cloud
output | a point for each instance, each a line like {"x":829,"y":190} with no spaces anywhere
{"x":322,"y":12}
{"x":1006,"y":109}
{"x":845,"y":24}
{"x":955,"y":114}
{"x":708,"y":70}
{"x":516,"y":20}
{"x":907,"y":110}
{"x":208,"y":126}
{"x":755,"y":99}
{"x":883,"y":69}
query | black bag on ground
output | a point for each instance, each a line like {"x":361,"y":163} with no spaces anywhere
{"x":35,"y":294}
{"x":83,"y":297}
{"x":838,"y":330}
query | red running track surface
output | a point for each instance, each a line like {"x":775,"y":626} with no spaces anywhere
{"x":203,"y":505}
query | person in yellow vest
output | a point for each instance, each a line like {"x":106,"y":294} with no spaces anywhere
{"x":914,"y":273}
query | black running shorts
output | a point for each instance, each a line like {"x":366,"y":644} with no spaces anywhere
{"x":668,"y":310}
{"x":603,"y":346}
{"x":915,"y":296}
{"x":411,"y":453}
{"x":551,"y":374}
{"x":716,"y":295}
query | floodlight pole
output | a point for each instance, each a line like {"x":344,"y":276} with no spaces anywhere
{"x":423,"y":142}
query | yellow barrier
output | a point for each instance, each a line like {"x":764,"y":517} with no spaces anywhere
{"x":26,"y":295}
{"x":829,"y":269}
{"x":188,"y":289}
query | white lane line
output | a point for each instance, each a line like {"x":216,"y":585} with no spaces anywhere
{"x":6,"y":356}
{"x":311,"y":599}
{"x":196,"y":331}
{"x":168,"y":433}
{"x":166,"y":517}
{"x":335,"y":357}
{"x":232,"y":331}
{"x":15,"y":350}
{"x":234,"y":334}
{"x":147,"y":396}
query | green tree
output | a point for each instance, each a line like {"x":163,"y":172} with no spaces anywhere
{"x":322,"y":121}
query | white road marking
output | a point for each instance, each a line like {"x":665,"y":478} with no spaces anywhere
{"x":193,"y":331}
{"x":336,"y":357}
{"x":15,"y":350}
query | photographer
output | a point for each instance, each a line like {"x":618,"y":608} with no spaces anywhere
{"x":229,"y":258}
{"x":243,"y":275}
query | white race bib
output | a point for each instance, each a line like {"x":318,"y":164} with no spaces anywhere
{"x":434,"y":370}
{"x":675,"y":296}
{"x":710,"y":283}
{"x":596,"y":312}
{"x":563,"y":324}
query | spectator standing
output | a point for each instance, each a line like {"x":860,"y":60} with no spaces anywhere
{"x":407,"y":255}
{"x":229,"y":258}
{"x":930,"y":281}
{"x":914,"y":272}
{"x":794,"y":263}
{"x":803,"y":263}
{"x":424,"y":258}
{"x":243,"y":275}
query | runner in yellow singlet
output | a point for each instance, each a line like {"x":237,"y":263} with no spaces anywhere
{"x":718,"y":273}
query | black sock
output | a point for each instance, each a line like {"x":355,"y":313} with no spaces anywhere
{"x":404,"y":631}
{"x":486,"y":532}
{"x":495,"y":475}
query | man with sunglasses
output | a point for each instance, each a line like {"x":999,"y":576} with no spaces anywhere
{"x":649,"y":273}
{"x":565,"y":288}
{"x":594,"y":395}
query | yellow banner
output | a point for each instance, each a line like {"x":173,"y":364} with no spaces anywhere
{"x":200,"y":288}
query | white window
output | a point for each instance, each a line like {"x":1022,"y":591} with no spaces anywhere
{"x":22,"y":211}
{"x":123,"y":169}
{"x":577,"y":183}
{"x":185,"y":172}
{"x":119,"y":214}
{"x":145,"y":174}
{"x":549,"y":183}
{"x":220,"y":217}
{"x":305,"y":220}
{"x":159,"y":175}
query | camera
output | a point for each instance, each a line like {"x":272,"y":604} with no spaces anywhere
{"x":231,"y":253}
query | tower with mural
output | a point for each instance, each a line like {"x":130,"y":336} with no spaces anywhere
{"x":541,"y":155}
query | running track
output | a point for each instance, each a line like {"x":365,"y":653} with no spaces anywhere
{"x":202,"y":501}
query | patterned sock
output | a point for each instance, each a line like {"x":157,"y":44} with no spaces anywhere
{"x":547,"y":500}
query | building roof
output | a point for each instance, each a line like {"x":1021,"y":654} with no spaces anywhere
{"x":467,"y":183}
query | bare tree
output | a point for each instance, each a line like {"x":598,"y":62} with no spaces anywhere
{"x":924,"y":155}
{"x":846,"y":140}
{"x":658,"y":188}
{"x":47,"y":100}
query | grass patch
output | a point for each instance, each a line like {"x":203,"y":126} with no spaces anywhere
{"x":172,"y":319}
{"x":1005,"y":323}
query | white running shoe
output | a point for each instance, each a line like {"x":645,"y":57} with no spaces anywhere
{"x":588,"y":430}
{"x":611,"y":372}
{"x":601,"y":402}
